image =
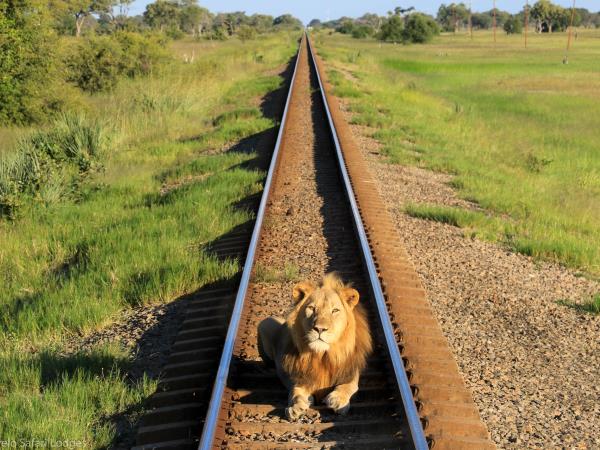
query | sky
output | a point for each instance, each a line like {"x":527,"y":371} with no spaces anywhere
{"x":306,"y":10}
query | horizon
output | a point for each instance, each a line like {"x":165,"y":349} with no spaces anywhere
{"x":334,"y":9}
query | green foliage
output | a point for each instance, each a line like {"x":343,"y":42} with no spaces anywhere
{"x":513,"y":25}
{"x":452,"y":16}
{"x":27,"y":64}
{"x":419,"y":28}
{"x":517,"y":132}
{"x":590,"y":306}
{"x":51,"y":165}
{"x":139,"y":232}
{"x":96,"y":64}
{"x":99,"y":62}
{"x":550,"y":17}
{"x":246,"y":33}
{"x":413,"y":28}
{"x":362,"y":31}
{"x":287,"y":21}
{"x":391,"y":29}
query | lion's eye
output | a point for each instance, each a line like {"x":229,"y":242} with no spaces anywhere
{"x":310,"y":308}
{"x":335,"y":310}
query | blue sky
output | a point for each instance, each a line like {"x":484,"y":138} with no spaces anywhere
{"x":332,"y":9}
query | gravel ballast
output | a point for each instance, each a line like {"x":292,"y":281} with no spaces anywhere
{"x":532,"y":365}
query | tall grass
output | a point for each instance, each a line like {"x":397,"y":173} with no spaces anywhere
{"x":50,"y":164}
{"x":518,"y":128}
{"x":134,"y":234}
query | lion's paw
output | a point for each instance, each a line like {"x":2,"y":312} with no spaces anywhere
{"x":295,"y":412}
{"x":338,"y":401}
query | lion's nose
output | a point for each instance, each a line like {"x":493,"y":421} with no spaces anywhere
{"x":319,"y":329}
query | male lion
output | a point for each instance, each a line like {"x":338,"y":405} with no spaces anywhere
{"x":321,"y":348}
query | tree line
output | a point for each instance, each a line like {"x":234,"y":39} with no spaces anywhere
{"x":52,"y":51}
{"x":407,"y":25}
{"x":176,"y":18}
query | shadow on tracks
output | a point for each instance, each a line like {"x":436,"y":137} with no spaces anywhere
{"x":182,"y":350}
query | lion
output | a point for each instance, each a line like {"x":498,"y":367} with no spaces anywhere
{"x":322,"y":346}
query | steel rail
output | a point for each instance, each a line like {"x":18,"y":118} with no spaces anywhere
{"x":410,"y":409}
{"x":212,"y":415}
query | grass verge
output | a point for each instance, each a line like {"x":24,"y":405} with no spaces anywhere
{"x":515,"y":126}
{"x":134,"y":234}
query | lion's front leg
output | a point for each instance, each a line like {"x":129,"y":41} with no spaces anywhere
{"x":339,"y":398}
{"x":300,"y":401}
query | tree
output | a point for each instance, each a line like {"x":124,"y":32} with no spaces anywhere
{"x":362,"y":31}
{"x":391,"y":29}
{"x":481,"y":20}
{"x":261,"y":22}
{"x":194,"y":19}
{"x":549,"y":17}
{"x":287,"y":21}
{"x":346,"y":27}
{"x":453,"y":16}
{"x":162,"y":15}
{"x":81,"y":10}
{"x":372,"y":20}
{"x":246,"y":33}
{"x":315,"y":23}
{"x":419,"y":28}
{"x":513,"y":25}
{"x":27,"y":62}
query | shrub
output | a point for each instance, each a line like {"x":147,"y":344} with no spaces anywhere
{"x":94,"y":66}
{"x":362,"y":32}
{"x":99,"y":61}
{"x":141,"y":54}
{"x":513,"y":25}
{"x":27,"y":64}
{"x":50,"y":165}
{"x":391,"y":29}
{"x":246,"y":33}
{"x":419,"y":28}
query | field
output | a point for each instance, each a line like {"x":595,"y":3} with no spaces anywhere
{"x":517,"y":127}
{"x":134,"y":235}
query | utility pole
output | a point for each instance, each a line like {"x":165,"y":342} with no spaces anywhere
{"x":526,"y":21}
{"x":566,"y":58}
{"x":571,"y":27}
{"x":454,"y":18}
{"x":470,"y":21}
{"x":494,"y":21}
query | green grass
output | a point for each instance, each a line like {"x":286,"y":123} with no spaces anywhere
{"x":591,"y":306}
{"x":516,"y":127}
{"x":264,"y":274}
{"x":135,"y":234}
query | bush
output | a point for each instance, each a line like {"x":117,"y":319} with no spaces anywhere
{"x":419,"y":28}
{"x":99,"y":61}
{"x":141,"y":54}
{"x":513,"y":25}
{"x":362,"y":32}
{"x":50,"y":165}
{"x":94,"y":66}
{"x":391,"y":29}
{"x":246,"y":33}
{"x":28,"y":71}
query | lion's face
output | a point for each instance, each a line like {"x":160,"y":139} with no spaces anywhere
{"x":324,"y":314}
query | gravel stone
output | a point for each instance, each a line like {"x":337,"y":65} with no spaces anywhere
{"x":531,"y":364}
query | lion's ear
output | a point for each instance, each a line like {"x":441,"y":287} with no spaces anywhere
{"x":302,"y":290}
{"x":350,"y":296}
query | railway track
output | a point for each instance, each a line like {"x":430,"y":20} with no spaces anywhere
{"x":320,"y":212}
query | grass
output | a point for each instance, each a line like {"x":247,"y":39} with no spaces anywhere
{"x":133,"y":235}
{"x":591,"y":306}
{"x":264,"y":274}
{"x":516,"y":127}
